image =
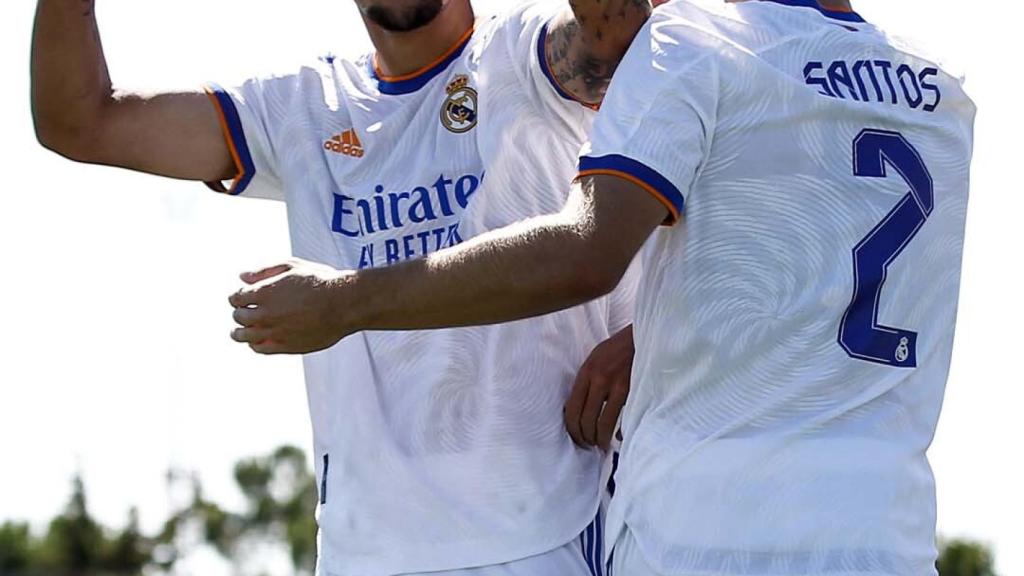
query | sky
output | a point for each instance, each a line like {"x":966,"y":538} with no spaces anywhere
{"x":115,"y":360}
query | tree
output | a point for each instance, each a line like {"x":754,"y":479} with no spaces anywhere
{"x":965,"y":558}
{"x":15,"y":548}
{"x":74,"y":540}
{"x":128,"y":552}
{"x":280,"y":494}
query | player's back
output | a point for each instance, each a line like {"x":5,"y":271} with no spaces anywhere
{"x":795,"y":331}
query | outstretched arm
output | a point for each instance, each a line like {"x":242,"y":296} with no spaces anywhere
{"x":586,"y":42}
{"x":529,"y":269}
{"x":78,"y":113}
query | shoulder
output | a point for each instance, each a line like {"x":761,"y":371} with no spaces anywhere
{"x":696,"y":22}
{"x":525,"y":20}
{"x":305,"y":93}
{"x":679,"y":33}
{"x":530,"y":12}
{"x":511,"y":40}
{"x":719,"y":29}
{"x":327,"y":79}
{"x":921,"y":51}
{"x":750,"y":26}
{"x":698,"y":12}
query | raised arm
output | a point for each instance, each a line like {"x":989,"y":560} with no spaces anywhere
{"x":586,"y":43}
{"x":80,"y":115}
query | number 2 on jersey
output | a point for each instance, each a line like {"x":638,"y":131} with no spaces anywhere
{"x":860,"y":334}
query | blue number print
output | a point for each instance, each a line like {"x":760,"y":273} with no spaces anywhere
{"x":860,"y":334}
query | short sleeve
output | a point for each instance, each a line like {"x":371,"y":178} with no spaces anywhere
{"x":249,"y":125}
{"x":656,"y":124}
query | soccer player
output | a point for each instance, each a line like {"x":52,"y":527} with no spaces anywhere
{"x":434,"y":452}
{"x":795,"y":320}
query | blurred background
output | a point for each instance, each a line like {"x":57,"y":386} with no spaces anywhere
{"x":135,"y":437}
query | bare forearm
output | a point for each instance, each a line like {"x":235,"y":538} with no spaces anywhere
{"x":532,"y":268}
{"x":70,"y":82}
{"x":538,"y":267}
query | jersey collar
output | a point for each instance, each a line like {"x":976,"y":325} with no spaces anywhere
{"x":850,"y":16}
{"x":409,"y":83}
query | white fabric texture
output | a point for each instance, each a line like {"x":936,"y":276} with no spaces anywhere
{"x":782,"y":400}
{"x":445,"y":449}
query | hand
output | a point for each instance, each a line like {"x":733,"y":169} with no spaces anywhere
{"x":602,"y":385}
{"x":288,"y":308}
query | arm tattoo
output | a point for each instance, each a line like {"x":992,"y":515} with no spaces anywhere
{"x":585,"y":48}
{"x":577,"y":70}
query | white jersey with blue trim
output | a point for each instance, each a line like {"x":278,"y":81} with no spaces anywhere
{"x":794,"y":326}
{"x":446,"y":449}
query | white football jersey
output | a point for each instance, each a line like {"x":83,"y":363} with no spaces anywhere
{"x":445,"y":449}
{"x":794,"y":327}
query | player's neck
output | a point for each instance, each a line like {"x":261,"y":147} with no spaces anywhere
{"x":401,"y":53}
{"x":836,"y":5}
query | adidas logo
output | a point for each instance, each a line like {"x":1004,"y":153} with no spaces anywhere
{"x":346,"y":143}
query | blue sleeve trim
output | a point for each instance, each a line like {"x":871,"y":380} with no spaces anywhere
{"x":235,"y":134}
{"x":663,"y":189}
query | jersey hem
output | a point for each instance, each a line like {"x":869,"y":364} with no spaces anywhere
{"x":685,"y":549}
{"x":637,"y":173}
{"x":438,"y":558}
{"x":234,"y":136}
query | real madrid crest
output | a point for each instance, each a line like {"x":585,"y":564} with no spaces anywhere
{"x":459,"y":111}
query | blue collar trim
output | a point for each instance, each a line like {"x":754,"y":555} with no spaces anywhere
{"x":411,"y":84}
{"x":834,"y":14}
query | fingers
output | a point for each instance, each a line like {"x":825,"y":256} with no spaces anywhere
{"x":260,"y":340}
{"x":258,"y":282}
{"x":249,"y":317}
{"x":609,"y":420}
{"x":261,"y":275}
{"x":250,"y":335}
{"x":268,"y":348}
{"x":574,"y":406}
{"x":244,"y":298}
{"x":592,"y":408}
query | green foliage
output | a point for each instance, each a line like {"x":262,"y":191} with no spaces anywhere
{"x":280,"y":495}
{"x":964,"y":558}
{"x":128,"y":552}
{"x":74,"y":540}
{"x":74,"y":544}
{"x":15,"y":548}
